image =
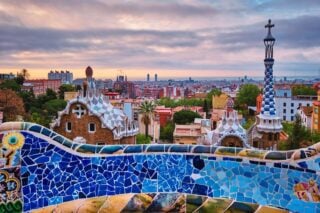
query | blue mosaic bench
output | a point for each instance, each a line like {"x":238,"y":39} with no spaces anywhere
{"x":40,"y":168}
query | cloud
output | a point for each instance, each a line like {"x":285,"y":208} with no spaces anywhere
{"x":203,"y":36}
{"x":299,"y":32}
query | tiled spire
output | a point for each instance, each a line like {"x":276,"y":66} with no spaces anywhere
{"x":268,"y":103}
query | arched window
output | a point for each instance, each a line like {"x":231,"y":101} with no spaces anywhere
{"x":91,"y":127}
{"x":68,"y":126}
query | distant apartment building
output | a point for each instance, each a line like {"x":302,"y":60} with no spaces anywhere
{"x":151,"y":92}
{"x":124,"y":87}
{"x":305,"y":112}
{"x":104,"y":84}
{"x":66,"y":77}
{"x":187,"y":134}
{"x":163,"y":114}
{"x":6,"y":76}
{"x":40,"y":86}
{"x":171,"y":92}
{"x":192,"y":133}
{"x":286,"y":104}
{"x":316,"y":114}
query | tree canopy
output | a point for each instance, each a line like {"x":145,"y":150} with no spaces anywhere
{"x":11,"y":104}
{"x":303,"y":90}
{"x":299,"y":136}
{"x":10,"y":84}
{"x":214,"y":92}
{"x":141,"y":139}
{"x":247,"y":95}
{"x":166,"y":132}
{"x":167,"y":102}
{"x":65,"y":88}
{"x":55,"y":105}
{"x":185,"y":117}
{"x":147,"y":108}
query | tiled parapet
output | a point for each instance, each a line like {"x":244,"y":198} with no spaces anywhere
{"x":55,"y":170}
{"x":293,"y":156}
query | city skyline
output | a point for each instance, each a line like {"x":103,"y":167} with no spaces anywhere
{"x":172,"y":38}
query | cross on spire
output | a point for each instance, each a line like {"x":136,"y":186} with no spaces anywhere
{"x":269,"y":26}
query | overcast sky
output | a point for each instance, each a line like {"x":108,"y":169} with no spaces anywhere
{"x":172,"y":38}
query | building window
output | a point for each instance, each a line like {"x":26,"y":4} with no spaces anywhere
{"x":285,"y":94}
{"x":68,"y":126}
{"x":284,"y":104}
{"x":292,"y":118}
{"x":92,"y":127}
{"x":292,"y":104}
{"x":284,"y":110}
{"x":308,"y":105}
{"x":284,"y":118}
{"x":291,"y":111}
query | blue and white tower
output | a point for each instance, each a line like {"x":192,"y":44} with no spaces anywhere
{"x":268,"y":123}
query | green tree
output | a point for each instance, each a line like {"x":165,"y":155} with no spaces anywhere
{"x":10,"y":84}
{"x":166,"y":132}
{"x":78,"y":87}
{"x":303,"y":90}
{"x":53,"y":106}
{"x":65,"y":88}
{"x":214,"y":92}
{"x":147,"y":109}
{"x":141,"y":139}
{"x":206,"y":108}
{"x":51,"y":94}
{"x":247,"y":96}
{"x":167,"y":102}
{"x":28,"y":98}
{"x":41,"y":99}
{"x":19,"y":79}
{"x":185,"y":117}
{"x":298,"y":133}
{"x":25,"y":73}
{"x":12,"y":104}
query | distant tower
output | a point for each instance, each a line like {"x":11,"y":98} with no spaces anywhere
{"x":268,"y":123}
{"x":148,"y":77}
{"x":90,"y":80}
{"x":156,"y":77}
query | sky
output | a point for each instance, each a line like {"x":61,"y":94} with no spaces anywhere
{"x":175,"y":39}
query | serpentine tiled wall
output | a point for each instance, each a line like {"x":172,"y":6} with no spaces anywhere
{"x":55,"y":170}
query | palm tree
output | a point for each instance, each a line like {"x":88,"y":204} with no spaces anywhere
{"x":25,"y":73}
{"x":147,"y":108}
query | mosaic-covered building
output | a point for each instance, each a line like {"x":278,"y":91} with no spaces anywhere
{"x":265,"y":133}
{"x":90,"y":118}
{"x":229,"y":131}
